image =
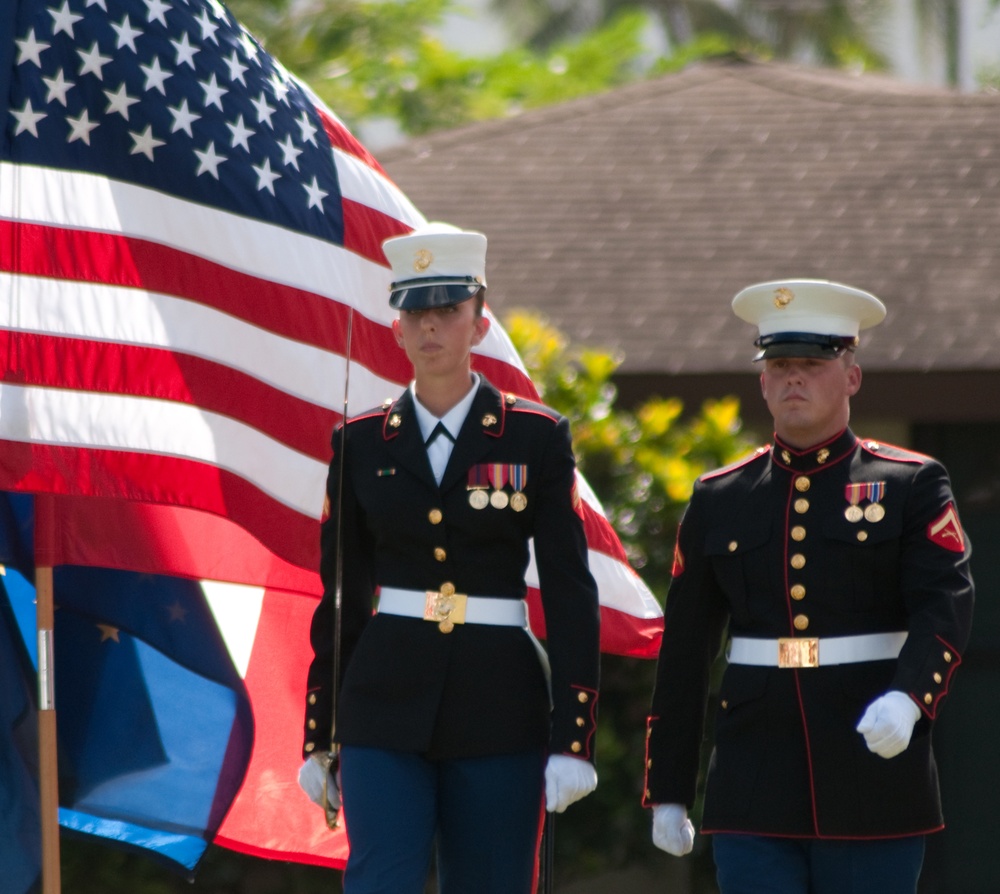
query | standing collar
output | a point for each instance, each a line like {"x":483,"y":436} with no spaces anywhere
{"x":452,"y":420}
{"x":814,"y":458}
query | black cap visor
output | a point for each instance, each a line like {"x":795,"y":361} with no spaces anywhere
{"x":422,"y":294}
{"x":803,"y":344}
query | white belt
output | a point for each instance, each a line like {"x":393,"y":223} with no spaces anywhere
{"x":448,"y":608}
{"x":803,"y":651}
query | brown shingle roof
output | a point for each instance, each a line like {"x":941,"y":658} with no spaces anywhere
{"x":631,"y":218}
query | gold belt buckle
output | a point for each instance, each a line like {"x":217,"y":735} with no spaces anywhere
{"x":447,"y":609}
{"x":798,"y":651}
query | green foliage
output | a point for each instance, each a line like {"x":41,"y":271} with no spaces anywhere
{"x":381,"y":60}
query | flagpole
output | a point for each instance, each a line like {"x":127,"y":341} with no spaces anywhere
{"x":333,"y":811}
{"x":48,"y":763}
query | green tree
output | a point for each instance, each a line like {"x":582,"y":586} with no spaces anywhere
{"x":831,"y":32}
{"x":381,"y":60}
{"x":642,"y":465}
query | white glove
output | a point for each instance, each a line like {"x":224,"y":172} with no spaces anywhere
{"x":888,"y":723}
{"x":567,"y":779}
{"x":673,"y":832}
{"x":319,"y":783}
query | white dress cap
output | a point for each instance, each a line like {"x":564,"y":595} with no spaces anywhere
{"x":434,"y":255}
{"x":825,"y":316}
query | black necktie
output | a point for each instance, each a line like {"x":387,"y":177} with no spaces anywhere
{"x":439,"y":429}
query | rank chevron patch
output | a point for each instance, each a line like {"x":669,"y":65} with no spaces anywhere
{"x":946,"y":531}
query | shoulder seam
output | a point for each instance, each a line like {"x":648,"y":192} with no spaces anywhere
{"x":739,"y":464}
{"x":872,"y":447}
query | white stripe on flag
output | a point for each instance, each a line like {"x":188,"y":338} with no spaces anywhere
{"x":236,"y":609}
{"x":135,"y":424}
{"x":146,"y":319}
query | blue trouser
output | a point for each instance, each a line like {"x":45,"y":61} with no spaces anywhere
{"x":757,"y":864}
{"x":485,"y":814}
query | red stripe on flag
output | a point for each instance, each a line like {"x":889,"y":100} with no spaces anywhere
{"x":600,"y":535}
{"x":272,"y":817}
{"x":341,"y":138}
{"x":365,"y":230}
{"x":621,"y":633}
{"x":111,"y":368}
{"x":131,"y":475}
{"x":156,"y":539}
{"x":59,"y":253}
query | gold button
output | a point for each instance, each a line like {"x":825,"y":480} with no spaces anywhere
{"x":798,"y":561}
{"x":576,"y":748}
{"x":434,"y":516}
{"x":801,"y":505}
{"x":937,"y":678}
{"x":928,"y":698}
{"x":447,"y":589}
{"x":798,"y":592}
{"x":947,"y":657}
{"x":648,"y":794}
{"x":580,"y":721}
{"x":725,"y":704}
{"x":802,"y":484}
{"x":582,"y":697}
{"x":312,"y":698}
{"x":862,"y":536}
{"x":649,"y":763}
{"x":309,"y":746}
{"x":312,"y":724}
{"x":801,"y":622}
{"x":440,"y":554}
{"x":649,"y":731}
{"x":798,"y":533}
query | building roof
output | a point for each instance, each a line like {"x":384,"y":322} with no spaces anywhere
{"x":631,"y":218}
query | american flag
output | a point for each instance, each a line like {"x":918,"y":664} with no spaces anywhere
{"x":185,"y":234}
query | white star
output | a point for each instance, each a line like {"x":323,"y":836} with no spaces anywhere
{"x":236,"y":68}
{"x":208,"y":161}
{"x":290,"y":152}
{"x":208,"y":28}
{"x":308,"y":131}
{"x":119,"y":101}
{"x":28,"y":118}
{"x":264,"y":111}
{"x":265,"y":176}
{"x":280,"y":86}
{"x":126,"y":34}
{"x":185,"y":52}
{"x":80,"y":128}
{"x":241,"y":133}
{"x":316,"y":195}
{"x":249,"y":43}
{"x":213,"y":92}
{"x":58,"y":88}
{"x":93,"y":61}
{"x":155,"y":76}
{"x":183,"y":118}
{"x":145,"y":142}
{"x":157,"y":9}
{"x":29,"y":48}
{"x":100,"y":3}
{"x":63,"y":20}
